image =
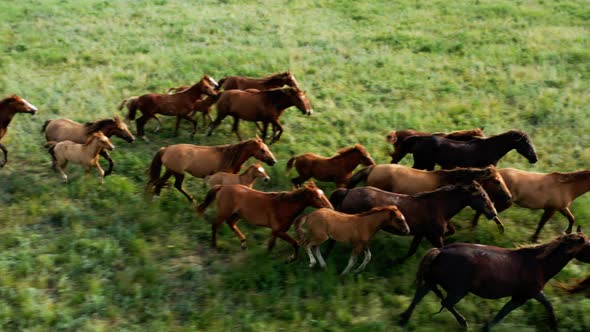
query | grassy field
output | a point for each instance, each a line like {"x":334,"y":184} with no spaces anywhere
{"x":92,"y":257}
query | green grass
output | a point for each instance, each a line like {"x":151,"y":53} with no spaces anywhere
{"x":85,"y":256}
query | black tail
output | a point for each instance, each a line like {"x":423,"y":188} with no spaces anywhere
{"x":45,"y":125}
{"x":51,"y":150}
{"x":359,"y":176}
{"x":425,"y":266}
{"x":131,"y":104}
{"x":577,"y":288}
{"x":220,"y":83}
{"x":155,"y":169}
{"x":208,"y":199}
{"x":290,"y":163}
{"x":337,"y":197}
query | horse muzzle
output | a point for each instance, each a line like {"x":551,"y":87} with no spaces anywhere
{"x":130,"y":139}
{"x":270,"y":162}
{"x":310,"y":112}
{"x":267,"y":179}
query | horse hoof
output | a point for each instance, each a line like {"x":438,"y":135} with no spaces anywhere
{"x":244,"y":246}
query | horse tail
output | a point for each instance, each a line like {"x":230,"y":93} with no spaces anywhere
{"x":45,"y":125}
{"x":208,"y":199}
{"x":51,"y":145}
{"x":131,"y":104}
{"x":359,"y":176}
{"x":299,"y":221}
{"x":290,"y":163}
{"x":426,"y":266}
{"x":220,"y":83}
{"x":577,"y":288}
{"x":155,"y":168}
{"x":337,"y":197}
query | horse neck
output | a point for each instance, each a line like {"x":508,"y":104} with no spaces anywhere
{"x":499,"y":145}
{"x":372,"y":223}
{"x":194,"y":91}
{"x":580,"y":184}
{"x":247,"y":178}
{"x":279,"y":99}
{"x":348,"y":161}
{"x":293,"y":203}
{"x":553,"y":262}
{"x":92,"y":148}
{"x":241,"y":157}
{"x":6,"y":115}
{"x":105,"y":127}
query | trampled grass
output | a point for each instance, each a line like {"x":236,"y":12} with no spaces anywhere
{"x":85,"y":256}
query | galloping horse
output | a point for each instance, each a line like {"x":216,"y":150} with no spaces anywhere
{"x":493,"y":272}
{"x":86,"y":154}
{"x":397,"y":137}
{"x":266,"y":106}
{"x":178,"y":104}
{"x":200,"y":161}
{"x":334,"y":169}
{"x":9,"y":106}
{"x":274,"y":210}
{"x":548,"y":191}
{"x":478,"y":152}
{"x":428,"y":214}
{"x":59,"y":130}
{"x":247,"y":178}
{"x":266,"y":83}
{"x":358,"y":229}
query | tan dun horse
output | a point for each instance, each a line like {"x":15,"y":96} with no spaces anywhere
{"x":86,"y":154}
{"x":315,"y":228}
{"x":274,"y":210}
{"x":59,"y":130}
{"x":201,"y":161}
{"x":336,"y":169}
{"x":247,"y":178}
{"x":266,"y":83}
{"x":266,"y":106}
{"x":178,"y":104}
{"x":493,"y":272}
{"x":9,"y":106}
{"x":548,"y":191}
{"x":397,"y":138}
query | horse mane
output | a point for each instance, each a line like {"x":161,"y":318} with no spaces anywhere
{"x":460,"y":174}
{"x":92,"y":127}
{"x":445,"y":189}
{"x":231,"y":153}
{"x":572,"y":177}
{"x":274,"y":77}
{"x":92,"y":137}
{"x":292,"y":195}
{"x":545,"y":249}
{"x":350,"y":149}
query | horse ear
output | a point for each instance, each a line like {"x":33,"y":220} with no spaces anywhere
{"x":257,"y":137}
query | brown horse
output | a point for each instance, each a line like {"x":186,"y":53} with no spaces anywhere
{"x":551,"y":192}
{"x":247,"y":178}
{"x":9,"y":106}
{"x":358,"y":229}
{"x":86,"y":154}
{"x":397,"y":137}
{"x":493,"y":272}
{"x":266,"y":106}
{"x":204,"y":106}
{"x":334,"y":169}
{"x":274,"y":210}
{"x":266,"y":83}
{"x":200,"y":161}
{"x":179,"y":104}
{"x":428,"y":214}
{"x":59,"y":130}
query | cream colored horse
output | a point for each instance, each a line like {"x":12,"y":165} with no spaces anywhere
{"x":247,"y":178}
{"x":84,"y":154}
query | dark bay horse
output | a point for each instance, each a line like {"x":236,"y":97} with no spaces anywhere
{"x":201,"y":161}
{"x":178,"y":104}
{"x":428,"y":214}
{"x":275,"y":210}
{"x":396,"y":137}
{"x":478,"y":152}
{"x":9,"y":106}
{"x":59,"y":130}
{"x":266,"y":83}
{"x":493,"y":272}
{"x":266,"y":106}
{"x":336,"y":169}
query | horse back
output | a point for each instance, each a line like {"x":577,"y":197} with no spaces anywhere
{"x":65,"y":130}
{"x":199,"y":161}
{"x":402,"y":179}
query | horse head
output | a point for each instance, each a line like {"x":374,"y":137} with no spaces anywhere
{"x":290,"y":80}
{"x":366,"y":159}
{"x":19,"y":105}
{"x":102,"y":140}
{"x":208,"y":85}
{"x":391,"y":137}
{"x":494,"y":184}
{"x":122,"y":131}
{"x":480,"y":201}
{"x":300,"y":100}
{"x":396,"y":223}
{"x":524,"y":145}
{"x":259,"y":172}
{"x":262,"y":152}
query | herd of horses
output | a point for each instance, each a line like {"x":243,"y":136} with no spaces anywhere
{"x":416,"y":201}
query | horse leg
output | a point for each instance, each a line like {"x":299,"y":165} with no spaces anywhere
{"x":299,"y":180}
{"x":140,"y":124}
{"x":506,"y":309}
{"x":231,"y":222}
{"x":100,"y":172}
{"x":329,"y":246}
{"x":318,"y":255}
{"x":570,"y":217}
{"x":365,"y":261}
{"x":283,"y":235}
{"x":421,"y":291}
{"x":194,"y":122}
{"x":178,"y":185}
{"x":413,"y":248}
{"x":3,"y":148}
{"x":234,"y":128}
{"x":105,"y":155}
{"x":312,"y":260}
{"x":546,"y":216}
{"x":276,"y":126}
{"x":264,"y":130}
{"x":450,"y":229}
{"x":177,"y":125}
{"x":271,"y":243}
{"x":161,"y":182}
{"x":215,"y":123}
{"x":158,"y":125}
{"x":449,"y":303}
{"x":60,"y":166}
{"x":214,"y":228}
{"x":552,"y":321}
{"x":475,"y":219}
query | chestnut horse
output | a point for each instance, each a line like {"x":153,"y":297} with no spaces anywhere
{"x":178,"y":104}
{"x":551,"y":192}
{"x":274,"y":210}
{"x":86,"y":154}
{"x":334,"y":169}
{"x":397,"y":137}
{"x":428,"y":214}
{"x":266,"y":83}
{"x":493,"y":272}
{"x":247,"y":178}
{"x":59,"y":130}
{"x":200,"y":161}
{"x":478,"y":152}
{"x":358,"y":229}
{"x":9,"y":106}
{"x":266,"y":106}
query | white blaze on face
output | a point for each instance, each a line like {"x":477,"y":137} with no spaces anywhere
{"x":320,"y":192}
{"x":213,"y":81}
{"x":29,"y":105}
{"x":261,"y":170}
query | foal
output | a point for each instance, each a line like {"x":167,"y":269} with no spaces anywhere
{"x":9,"y":106}
{"x":334,"y":169}
{"x":358,"y":229}
{"x":86,"y":154}
{"x":247,"y":178}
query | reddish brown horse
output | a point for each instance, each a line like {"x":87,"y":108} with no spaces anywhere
{"x":9,"y":106}
{"x":178,"y":104}
{"x":493,"y":272}
{"x":397,"y":138}
{"x":266,"y":83}
{"x":266,"y":106}
{"x":274,"y":210}
{"x":201,"y":161}
{"x":334,"y":169}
